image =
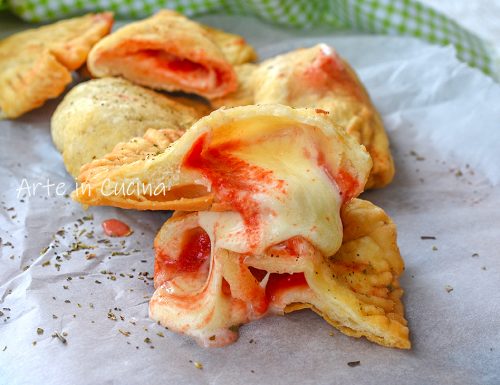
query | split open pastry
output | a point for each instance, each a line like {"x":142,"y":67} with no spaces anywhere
{"x":170,"y":52}
{"x":274,"y":228}
{"x":206,"y":289}
{"x":96,"y":115}
{"x":167,"y":183}
{"x":36,"y":65}
{"x":318,"y":77}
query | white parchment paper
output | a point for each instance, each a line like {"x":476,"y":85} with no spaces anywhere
{"x":444,"y":124}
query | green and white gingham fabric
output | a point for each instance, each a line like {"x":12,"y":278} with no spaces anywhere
{"x":394,"y":17}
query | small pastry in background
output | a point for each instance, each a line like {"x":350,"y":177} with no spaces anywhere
{"x":96,"y":115}
{"x":36,"y":65}
{"x":170,"y":52}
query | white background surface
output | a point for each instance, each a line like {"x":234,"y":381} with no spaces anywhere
{"x":426,"y":98}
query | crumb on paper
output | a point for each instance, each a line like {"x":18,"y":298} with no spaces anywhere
{"x":60,"y":337}
{"x":198,"y":365}
{"x":353,"y":364}
{"x":448,"y":288}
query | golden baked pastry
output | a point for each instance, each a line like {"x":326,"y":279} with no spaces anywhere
{"x":36,"y":65}
{"x":96,"y":115}
{"x":170,"y":52}
{"x":180,"y":187}
{"x":204,"y":290}
{"x":319,"y":78}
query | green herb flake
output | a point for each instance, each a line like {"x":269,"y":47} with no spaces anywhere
{"x":124,"y":332}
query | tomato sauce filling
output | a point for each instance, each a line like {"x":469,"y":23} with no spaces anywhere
{"x":195,"y":251}
{"x":187,"y":69}
{"x":234,"y":181}
{"x":278,"y":283}
{"x":327,"y":71}
{"x":116,"y":228}
{"x":347,"y":184}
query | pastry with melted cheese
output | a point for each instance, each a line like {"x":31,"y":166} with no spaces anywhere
{"x":204,"y":288}
{"x":97,"y":115}
{"x":36,"y":65}
{"x":274,"y":228}
{"x":170,"y":52}
{"x":167,"y":183}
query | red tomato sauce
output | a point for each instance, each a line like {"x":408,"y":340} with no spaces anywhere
{"x":195,"y":250}
{"x":234,"y":180}
{"x":348,"y":185}
{"x":116,"y":228}
{"x":280,"y":282}
{"x":327,"y":71}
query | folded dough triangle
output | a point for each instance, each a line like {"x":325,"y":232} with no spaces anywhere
{"x":36,"y":65}
{"x":170,"y":52}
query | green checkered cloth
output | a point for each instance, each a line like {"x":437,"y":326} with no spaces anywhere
{"x":394,"y":17}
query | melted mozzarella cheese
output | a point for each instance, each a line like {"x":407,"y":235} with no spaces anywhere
{"x":309,"y":202}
